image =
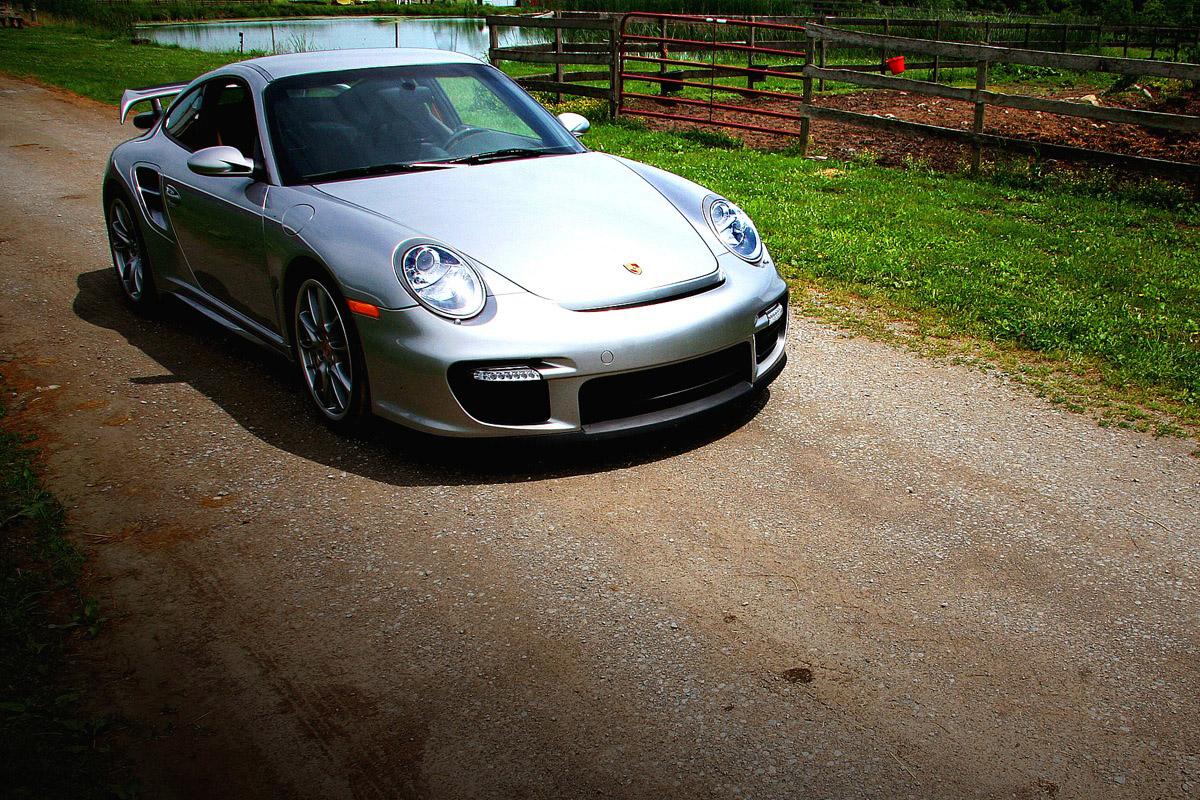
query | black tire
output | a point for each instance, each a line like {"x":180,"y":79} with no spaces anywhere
{"x":329,"y":354}
{"x":134,"y":273}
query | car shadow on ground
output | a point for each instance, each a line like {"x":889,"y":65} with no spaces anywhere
{"x":262,"y":392}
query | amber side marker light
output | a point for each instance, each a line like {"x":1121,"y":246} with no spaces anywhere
{"x":366,"y":309}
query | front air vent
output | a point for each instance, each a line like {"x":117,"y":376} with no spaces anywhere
{"x":501,"y":394}
{"x":774,"y":321}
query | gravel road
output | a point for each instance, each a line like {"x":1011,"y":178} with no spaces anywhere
{"x":894,"y":578}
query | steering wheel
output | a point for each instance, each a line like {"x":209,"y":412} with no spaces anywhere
{"x":460,"y":133}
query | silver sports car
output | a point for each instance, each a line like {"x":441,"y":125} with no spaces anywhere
{"x":429,"y":244}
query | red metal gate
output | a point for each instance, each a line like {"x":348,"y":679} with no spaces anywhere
{"x":676,"y":45}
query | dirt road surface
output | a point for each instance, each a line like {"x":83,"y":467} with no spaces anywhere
{"x":894,"y":578}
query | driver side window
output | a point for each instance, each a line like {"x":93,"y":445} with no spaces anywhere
{"x":184,"y":123}
{"x":220,"y":112}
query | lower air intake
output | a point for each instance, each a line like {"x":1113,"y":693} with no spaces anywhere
{"x":636,"y":393}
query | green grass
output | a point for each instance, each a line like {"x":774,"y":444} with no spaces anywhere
{"x":48,"y":747}
{"x":1084,"y":285}
{"x":68,"y":56}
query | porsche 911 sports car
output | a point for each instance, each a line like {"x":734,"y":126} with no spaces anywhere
{"x":430,"y":244}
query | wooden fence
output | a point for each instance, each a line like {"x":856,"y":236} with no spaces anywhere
{"x":559,"y":53}
{"x":1055,"y":36}
{"x":983,"y":56}
{"x":606,"y":48}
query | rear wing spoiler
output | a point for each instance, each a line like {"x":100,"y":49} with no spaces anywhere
{"x":153,"y":94}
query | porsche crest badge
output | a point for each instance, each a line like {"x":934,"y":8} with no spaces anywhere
{"x":634,"y":268}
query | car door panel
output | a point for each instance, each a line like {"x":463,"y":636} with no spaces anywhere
{"x":218,"y":224}
{"x":218,"y":220}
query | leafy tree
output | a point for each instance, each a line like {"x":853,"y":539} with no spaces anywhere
{"x":1117,"y":11}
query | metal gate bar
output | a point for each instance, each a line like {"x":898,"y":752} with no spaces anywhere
{"x":673,"y":69}
{"x":737,"y":125}
{"x":701,"y":44}
{"x":756,"y":71}
{"x":723,"y":106}
{"x":700,"y":85}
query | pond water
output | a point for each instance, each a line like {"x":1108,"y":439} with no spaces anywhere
{"x":462,"y":35}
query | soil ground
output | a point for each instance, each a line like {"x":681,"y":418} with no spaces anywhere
{"x":891,"y":577}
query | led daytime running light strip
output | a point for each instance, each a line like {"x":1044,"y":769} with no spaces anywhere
{"x":506,"y":375}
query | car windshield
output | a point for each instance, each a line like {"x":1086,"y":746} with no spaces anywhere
{"x":339,"y":125}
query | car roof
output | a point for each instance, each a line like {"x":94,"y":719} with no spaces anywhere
{"x":283,"y":66}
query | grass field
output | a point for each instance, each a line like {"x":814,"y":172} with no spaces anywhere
{"x":1085,"y":286}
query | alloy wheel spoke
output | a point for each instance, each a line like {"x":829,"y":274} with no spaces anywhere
{"x":308,"y":331}
{"x":328,"y":314}
{"x":342,"y":381}
{"x":317,"y":306}
{"x":122,"y":236}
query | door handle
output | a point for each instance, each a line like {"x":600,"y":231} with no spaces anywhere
{"x":172,"y":195}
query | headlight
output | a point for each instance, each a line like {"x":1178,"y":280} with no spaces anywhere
{"x":442,"y":281}
{"x":734,"y":228}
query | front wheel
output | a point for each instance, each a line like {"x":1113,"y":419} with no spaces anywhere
{"x":129,"y":256}
{"x":329,"y":355}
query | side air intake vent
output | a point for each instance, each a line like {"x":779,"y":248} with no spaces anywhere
{"x":149,"y":186}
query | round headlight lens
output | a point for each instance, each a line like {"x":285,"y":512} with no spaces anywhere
{"x":443,"y":281}
{"x":735,"y":230}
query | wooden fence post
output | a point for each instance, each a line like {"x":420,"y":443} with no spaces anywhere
{"x":806,"y":121}
{"x":1065,"y":30}
{"x":558,"y":48}
{"x":493,"y":41}
{"x":1153,"y":42}
{"x":821,"y":55}
{"x":614,"y":74}
{"x":663,"y":54}
{"x":753,"y":39}
{"x":1125,"y":50}
{"x":1028,"y":29}
{"x":981,"y":75}
{"x":887,"y":27}
{"x":937,"y":59}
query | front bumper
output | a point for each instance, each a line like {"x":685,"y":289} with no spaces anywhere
{"x":602,"y":356}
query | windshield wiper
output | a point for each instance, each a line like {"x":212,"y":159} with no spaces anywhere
{"x":502,"y":155}
{"x":378,"y":169}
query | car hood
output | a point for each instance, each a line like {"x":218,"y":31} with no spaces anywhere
{"x":582,"y":230}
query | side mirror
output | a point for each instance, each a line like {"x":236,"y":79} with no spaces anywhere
{"x":145,"y":120}
{"x":577,"y":124}
{"x":221,"y":161}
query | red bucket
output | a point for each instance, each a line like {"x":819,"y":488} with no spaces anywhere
{"x":896,"y":64}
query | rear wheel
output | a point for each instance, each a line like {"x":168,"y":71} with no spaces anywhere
{"x":329,"y":354}
{"x":129,"y":256}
